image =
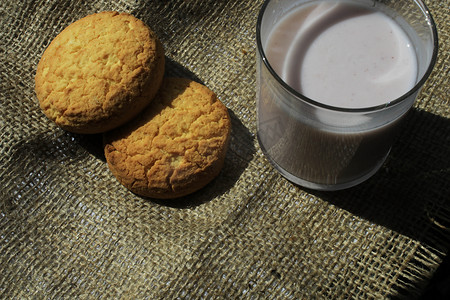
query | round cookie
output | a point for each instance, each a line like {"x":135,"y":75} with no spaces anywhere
{"x":175,"y":146}
{"x":99,"y":72}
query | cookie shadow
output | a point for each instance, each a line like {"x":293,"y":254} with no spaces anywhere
{"x":174,"y":69}
{"x":42,"y":158}
{"x":92,"y":143}
{"x":62,"y":145}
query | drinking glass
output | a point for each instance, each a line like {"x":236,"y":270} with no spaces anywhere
{"x":324,"y":147}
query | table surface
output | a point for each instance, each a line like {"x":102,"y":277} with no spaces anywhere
{"x":68,"y":229}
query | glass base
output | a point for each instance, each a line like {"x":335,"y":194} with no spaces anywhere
{"x":318,"y":186}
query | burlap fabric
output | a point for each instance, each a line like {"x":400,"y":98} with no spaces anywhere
{"x":69,"y":230}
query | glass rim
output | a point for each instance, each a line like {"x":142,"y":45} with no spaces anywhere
{"x":394,"y":102}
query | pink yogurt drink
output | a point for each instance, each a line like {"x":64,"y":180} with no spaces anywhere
{"x":335,"y":80}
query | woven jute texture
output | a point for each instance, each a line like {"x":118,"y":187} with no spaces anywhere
{"x":68,"y":229}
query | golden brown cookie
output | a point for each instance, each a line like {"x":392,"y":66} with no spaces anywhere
{"x":176,"y":146}
{"x":99,"y":72}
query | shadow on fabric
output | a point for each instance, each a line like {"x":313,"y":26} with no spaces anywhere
{"x":410,"y":193}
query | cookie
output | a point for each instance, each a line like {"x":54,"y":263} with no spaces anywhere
{"x":99,"y":72}
{"x":175,"y":146}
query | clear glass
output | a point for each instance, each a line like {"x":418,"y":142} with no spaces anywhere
{"x":331,"y":148}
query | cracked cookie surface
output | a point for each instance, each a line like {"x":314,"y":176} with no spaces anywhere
{"x":99,"y":72}
{"x":175,"y":146}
